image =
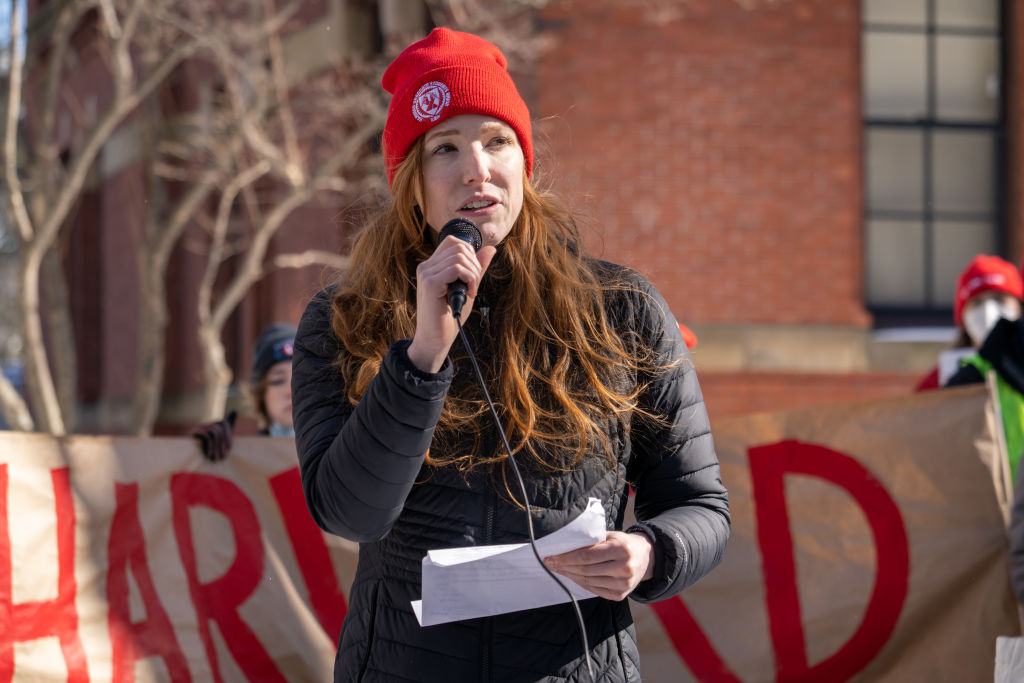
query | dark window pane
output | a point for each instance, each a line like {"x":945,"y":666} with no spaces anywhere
{"x":954,"y":245}
{"x":905,"y":12}
{"x":894,"y":159}
{"x":967,"y":78}
{"x":977,"y":14}
{"x":963,"y":171}
{"x":895,"y":257}
{"x":894,"y":76}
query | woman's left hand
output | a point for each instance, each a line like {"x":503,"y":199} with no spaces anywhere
{"x":611,"y":568}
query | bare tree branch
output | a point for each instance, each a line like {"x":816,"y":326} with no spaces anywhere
{"x":15,"y":74}
{"x":123,"y":69}
{"x":110,"y":19}
{"x":280,"y":84}
{"x":57,"y":318}
{"x":40,"y":385}
{"x":304,"y":259}
{"x":254,"y":256}
{"x":227,"y":200}
{"x":47,"y":140}
{"x":251,"y":119}
{"x":100,"y":134}
{"x":152,"y":267}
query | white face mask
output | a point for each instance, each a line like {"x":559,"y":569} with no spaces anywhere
{"x":980,"y":319}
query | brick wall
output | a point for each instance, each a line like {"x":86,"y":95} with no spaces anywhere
{"x":1014,"y":93}
{"x":738,"y":393}
{"x":719,"y":151}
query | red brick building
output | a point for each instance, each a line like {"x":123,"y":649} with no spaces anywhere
{"x":725,"y":152}
{"x":802,"y":180}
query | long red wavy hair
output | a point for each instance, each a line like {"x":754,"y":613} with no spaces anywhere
{"x":563,"y":373}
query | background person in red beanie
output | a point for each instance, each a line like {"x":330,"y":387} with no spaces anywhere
{"x":988,"y":308}
{"x":988,"y":288}
{"x":689,"y":338}
{"x":589,"y":373}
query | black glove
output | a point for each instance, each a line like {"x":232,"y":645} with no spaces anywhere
{"x":215,"y":437}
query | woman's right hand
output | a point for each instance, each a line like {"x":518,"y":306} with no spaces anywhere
{"x":436,"y":329}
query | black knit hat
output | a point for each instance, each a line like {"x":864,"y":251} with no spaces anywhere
{"x":273,"y":346}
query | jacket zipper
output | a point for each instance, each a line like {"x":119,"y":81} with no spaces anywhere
{"x":487,"y":634}
{"x":486,"y":626}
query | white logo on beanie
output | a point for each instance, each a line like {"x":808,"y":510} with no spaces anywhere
{"x":430,"y":101}
{"x":979,"y":281}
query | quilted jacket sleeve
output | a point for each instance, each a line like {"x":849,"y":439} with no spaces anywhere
{"x":679,"y":491}
{"x":358,"y":463}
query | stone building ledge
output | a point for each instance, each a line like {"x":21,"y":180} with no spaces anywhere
{"x":817,"y":348}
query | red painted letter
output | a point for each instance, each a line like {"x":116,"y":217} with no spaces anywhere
{"x":154,"y":636}
{"x":768,"y":467}
{"x":42,"y":618}
{"x":219,"y":600}
{"x":691,"y":643}
{"x":310,"y":552}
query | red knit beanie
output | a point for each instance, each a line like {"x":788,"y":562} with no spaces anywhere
{"x":689,"y":337}
{"x":985,"y":273}
{"x":446,"y":74}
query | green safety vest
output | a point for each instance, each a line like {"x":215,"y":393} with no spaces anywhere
{"x":1011,"y":404}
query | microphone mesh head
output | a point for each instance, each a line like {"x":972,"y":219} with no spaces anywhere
{"x":464,"y":230}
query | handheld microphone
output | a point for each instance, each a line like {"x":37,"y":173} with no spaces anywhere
{"x":466,"y":231}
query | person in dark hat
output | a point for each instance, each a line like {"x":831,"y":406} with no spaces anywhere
{"x":271,"y":379}
{"x":397,"y":442}
{"x":269,"y":391}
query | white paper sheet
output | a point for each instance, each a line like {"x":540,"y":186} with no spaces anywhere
{"x":481,"y":581}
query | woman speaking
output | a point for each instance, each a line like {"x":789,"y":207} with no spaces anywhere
{"x":590,"y":380}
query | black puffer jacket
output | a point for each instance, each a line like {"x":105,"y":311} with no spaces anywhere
{"x":364,"y":477}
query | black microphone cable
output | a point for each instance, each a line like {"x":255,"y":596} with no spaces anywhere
{"x":526,"y":500}
{"x":467,"y":231}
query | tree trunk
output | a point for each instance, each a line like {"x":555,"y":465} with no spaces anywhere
{"x":216,"y":373}
{"x":60,"y":331}
{"x":38,"y":379}
{"x":152,"y":321}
